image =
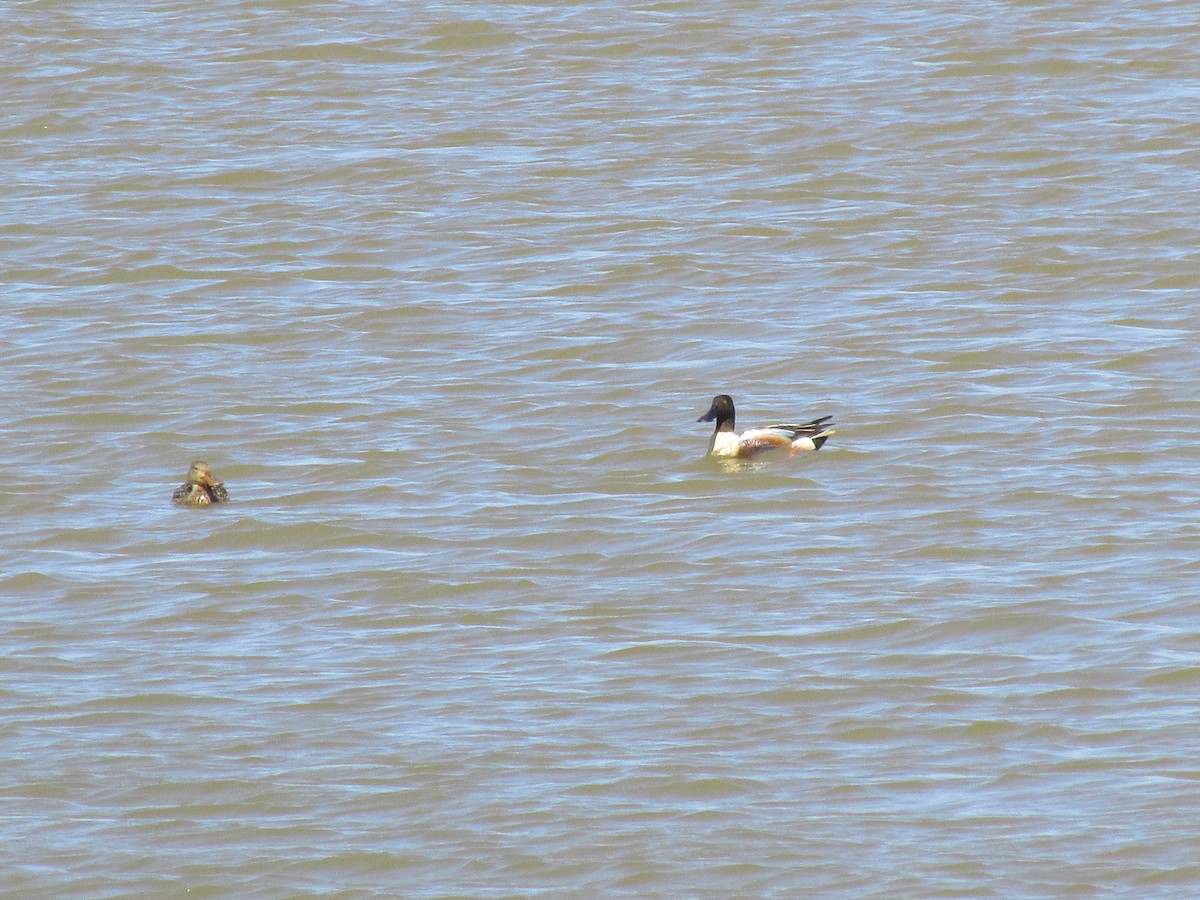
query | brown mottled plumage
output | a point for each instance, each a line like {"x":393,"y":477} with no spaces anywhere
{"x":200,"y":489}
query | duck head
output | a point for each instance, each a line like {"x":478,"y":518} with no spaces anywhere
{"x":200,"y":473}
{"x":721,"y":411}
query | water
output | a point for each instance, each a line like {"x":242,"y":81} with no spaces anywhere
{"x":439,"y":292}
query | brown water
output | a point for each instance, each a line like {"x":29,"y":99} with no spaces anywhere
{"x":439,"y":291}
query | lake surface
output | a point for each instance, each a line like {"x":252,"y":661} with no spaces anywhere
{"x":439,"y":291}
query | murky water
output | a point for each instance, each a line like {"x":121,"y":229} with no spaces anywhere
{"x":439,"y":292}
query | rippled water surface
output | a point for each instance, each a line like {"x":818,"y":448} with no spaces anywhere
{"x":439,"y":291}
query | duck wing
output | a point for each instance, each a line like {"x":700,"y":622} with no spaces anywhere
{"x":816,"y":426}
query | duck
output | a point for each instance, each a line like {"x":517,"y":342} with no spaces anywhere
{"x":200,"y":489}
{"x":727,"y":442}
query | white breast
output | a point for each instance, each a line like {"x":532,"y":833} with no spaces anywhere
{"x":725,"y":443}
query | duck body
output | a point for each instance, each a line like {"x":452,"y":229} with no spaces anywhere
{"x":200,"y":489}
{"x":727,"y":442}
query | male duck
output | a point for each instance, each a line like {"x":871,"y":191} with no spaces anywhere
{"x":200,"y":489}
{"x":726,"y":442}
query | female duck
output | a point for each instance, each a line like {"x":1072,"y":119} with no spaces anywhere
{"x":200,"y":489}
{"x":726,"y":442}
